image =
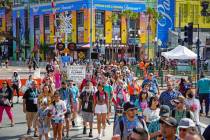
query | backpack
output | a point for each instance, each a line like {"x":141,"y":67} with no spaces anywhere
{"x":122,"y":126}
{"x":187,"y":112}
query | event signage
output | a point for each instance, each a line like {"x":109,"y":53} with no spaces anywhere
{"x":76,"y":73}
{"x":166,"y":23}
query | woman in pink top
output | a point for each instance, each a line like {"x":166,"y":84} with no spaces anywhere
{"x":57,"y":77}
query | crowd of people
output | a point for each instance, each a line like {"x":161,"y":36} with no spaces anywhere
{"x":141,"y":110}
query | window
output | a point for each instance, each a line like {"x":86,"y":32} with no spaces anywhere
{"x":46,"y":22}
{"x":36,"y":23}
{"x":100,"y":18}
{"x":80,"y":19}
{"x":116,"y":25}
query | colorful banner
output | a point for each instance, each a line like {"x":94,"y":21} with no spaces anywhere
{"x":123,"y":30}
{"x":74,"y":26}
{"x":108,"y":25}
{"x":166,"y":9}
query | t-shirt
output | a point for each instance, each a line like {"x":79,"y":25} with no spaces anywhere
{"x":57,"y":111}
{"x":5,"y":97}
{"x":151,"y":115}
{"x":66,"y":96}
{"x":153,"y":85}
{"x":128,"y":127}
{"x":42,"y":114}
{"x":101,"y":97}
{"x":204,"y":86}
{"x":31,"y":100}
{"x":86,"y":99}
{"x":167,"y":96}
{"x":108,"y":89}
{"x":75,"y":92}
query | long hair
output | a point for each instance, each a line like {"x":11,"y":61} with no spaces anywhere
{"x":151,"y":99}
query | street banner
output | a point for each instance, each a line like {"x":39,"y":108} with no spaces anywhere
{"x":37,"y":73}
{"x":76,"y":73}
{"x":166,"y":8}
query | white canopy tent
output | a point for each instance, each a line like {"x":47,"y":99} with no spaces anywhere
{"x":180,"y":53}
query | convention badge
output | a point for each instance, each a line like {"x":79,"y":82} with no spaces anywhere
{"x":86,"y":105}
{"x":35,"y":100}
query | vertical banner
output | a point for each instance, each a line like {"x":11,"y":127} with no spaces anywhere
{"x":94,"y":27}
{"x":52,"y":28}
{"x":166,"y":9}
{"x":108,"y":25}
{"x":41,"y":21}
{"x":86,"y":25}
{"x":74,"y":26}
{"x":123,"y":30}
{"x":143,"y":28}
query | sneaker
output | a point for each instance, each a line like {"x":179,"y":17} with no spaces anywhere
{"x":73,"y":123}
{"x":28,"y":131}
{"x":36,"y":135}
{"x":108,"y":122}
{"x":90,"y":134}
{"x":103,"y":132}
{"x":12,"y":124}
{"x":84,"y":130}
{"x":99,"y":137}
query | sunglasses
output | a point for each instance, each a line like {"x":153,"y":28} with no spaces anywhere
{"x":182,"y":129}
{"x":133,"y":109}
{"x":4,"y":83}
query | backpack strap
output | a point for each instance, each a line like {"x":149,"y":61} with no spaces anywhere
{"x":188,"y":115}
{"x":173,"y":113}
{"x":121,"y":128}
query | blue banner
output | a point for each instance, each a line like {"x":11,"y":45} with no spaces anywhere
{"x":166,"y":23}
{"x":2,"y":12}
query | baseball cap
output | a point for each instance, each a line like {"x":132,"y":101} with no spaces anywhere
{"x":179,"y":99}
{"x":169,"y":121}
{"x":128,"y":106}
{"x":186,"y":123}
{"x":164,"y":111}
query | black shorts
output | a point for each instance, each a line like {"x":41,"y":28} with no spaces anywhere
{"x":68,"y":115}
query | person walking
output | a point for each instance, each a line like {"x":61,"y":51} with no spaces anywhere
{"x":16,"y":84}
{"x":6,"y":103}
{"x":57,"y":113}
{"x":74,"y":91}
{"x":101,"y":109}
{"x":86,"y":103}
{"x":66,"y":96}
{"x":30,"y":107}
{"x":203,"y":93}
{"x":169,"y":95}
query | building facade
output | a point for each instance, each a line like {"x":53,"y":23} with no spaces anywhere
{"x":36,"y":26}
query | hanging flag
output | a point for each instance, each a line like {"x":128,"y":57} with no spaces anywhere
{"x":52,"y":4}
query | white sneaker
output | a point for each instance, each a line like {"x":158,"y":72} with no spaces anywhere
{"x":103,"y":132}
{"x":99,"y":137}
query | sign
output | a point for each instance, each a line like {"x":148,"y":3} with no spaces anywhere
{"x":166,"y":10}
{"x":76,"y":73}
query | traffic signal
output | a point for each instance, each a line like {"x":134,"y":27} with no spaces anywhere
{"x":204,"y":11}
{"x":188,"y":33}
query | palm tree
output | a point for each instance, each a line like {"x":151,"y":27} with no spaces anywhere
{"x":152,"y":15}
{"x":128,"y":14}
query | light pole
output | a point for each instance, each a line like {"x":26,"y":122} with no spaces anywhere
{"x":115,"y":45}
{"x":91,"y":29}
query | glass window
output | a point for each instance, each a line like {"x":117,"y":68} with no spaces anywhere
{"x":36,"y":22}
{"x":46,"y":21}
{"x":80,"y":19}
{"x":100,"y":18}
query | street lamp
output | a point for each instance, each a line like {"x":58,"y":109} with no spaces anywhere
{"x":115,"y":44}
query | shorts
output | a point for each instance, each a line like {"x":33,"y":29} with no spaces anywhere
{"x":75,"y":106}
{"x":67,"y":115}
{"x":99,"y":109}
{"x":60,"y":121}
{"x":30,"y":116}
{"x":87,"y":116}
{"x":43,"y":130}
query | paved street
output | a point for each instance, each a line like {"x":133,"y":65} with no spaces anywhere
{"x":19,"y":130}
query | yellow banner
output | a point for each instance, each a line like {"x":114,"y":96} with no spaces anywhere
{"x":123,"y":30}
{"x":108,"y":29}
{"x":74,"y":26}
{"x":52,"y":29}
{"x":86,"y":26}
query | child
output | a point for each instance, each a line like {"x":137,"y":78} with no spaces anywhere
{"x":43,"y":120}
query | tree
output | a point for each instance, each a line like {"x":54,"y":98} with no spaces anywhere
{"x":152,"y":15}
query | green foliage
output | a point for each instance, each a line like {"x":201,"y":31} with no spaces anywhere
{"x":153,"y":14}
